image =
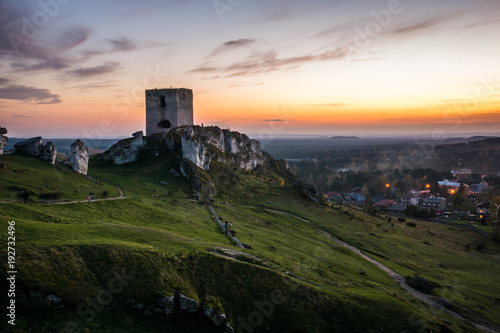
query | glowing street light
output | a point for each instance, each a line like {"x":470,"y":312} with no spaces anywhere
{"x":387,"y":185}
{"x":452,"y":191}
{"x":428,"y":186}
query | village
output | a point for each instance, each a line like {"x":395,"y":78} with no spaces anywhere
{"x":459,"y":198}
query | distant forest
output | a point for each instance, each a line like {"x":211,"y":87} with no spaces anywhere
{"x":404,"y":167}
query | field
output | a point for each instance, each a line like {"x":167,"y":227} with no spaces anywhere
{"x":160,"y":242}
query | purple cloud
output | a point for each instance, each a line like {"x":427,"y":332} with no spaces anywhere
{"x":29,"y":94}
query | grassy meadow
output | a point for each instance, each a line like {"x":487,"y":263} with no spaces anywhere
{"x":164,"y":242}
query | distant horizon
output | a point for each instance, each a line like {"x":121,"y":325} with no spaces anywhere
{"x":446,"y":136}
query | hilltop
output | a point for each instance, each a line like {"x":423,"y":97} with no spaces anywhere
{"x":113,"y":263}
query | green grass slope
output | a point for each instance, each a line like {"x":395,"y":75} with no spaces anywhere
{"x":159,"y":242}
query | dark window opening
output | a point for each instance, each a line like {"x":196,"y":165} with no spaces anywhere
{"x":164,"y":124}
{"x":162,"y":101}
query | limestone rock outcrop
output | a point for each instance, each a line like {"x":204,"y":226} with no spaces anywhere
{"x":201,"y":145}
{"x":209,"y":157}
{"x":30,"y":147}
{"x":126,"y":151}
{"x":34,"y":147}
{"x":48,"y":153}
{"x":79,"y":157}
{"x":3,"y":139}
{"x":307,"y":190}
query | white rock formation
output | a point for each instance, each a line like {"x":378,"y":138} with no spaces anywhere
{"x":79,"y":157}
{"x":3,"y":139}
{"x":48,"y":153}
{"x":198,"y":145}
{"x":34,"y":148}
{"x":126,"y":151}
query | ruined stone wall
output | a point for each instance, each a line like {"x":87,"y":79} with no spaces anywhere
{"x":168,"y":108}
{"x":184,"y":107}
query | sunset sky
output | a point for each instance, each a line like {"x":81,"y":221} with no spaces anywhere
{"x":269,"y":68}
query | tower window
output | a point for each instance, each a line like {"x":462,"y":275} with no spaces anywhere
{"x":162,"y":101}
{"x":164,"y":124}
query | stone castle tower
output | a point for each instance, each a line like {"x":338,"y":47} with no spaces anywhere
{"x":168,"y":108}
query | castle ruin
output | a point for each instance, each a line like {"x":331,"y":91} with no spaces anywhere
{"x":168,"y":108}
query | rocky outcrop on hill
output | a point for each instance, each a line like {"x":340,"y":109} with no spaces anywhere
{"x":307,"y":190}
{"x":34,"y":147}
{"x":208,"y":156}
{"x":79,"y":157}
{"x":30,"y":147}
{"x":3,"y":139}
{"x":174,"y":305}
{"x":49,"y":153}
{"x":201,"y":145}
{"x":126,"y":151}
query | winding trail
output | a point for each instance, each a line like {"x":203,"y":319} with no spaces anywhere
{"x":78,"y":201}
{"x":93,"y":200}
{"x":483,"y":326}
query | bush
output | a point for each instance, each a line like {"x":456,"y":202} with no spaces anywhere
{"x":496,"y":232}
{"x":401,"y":219}
{"x":411,"y":224}
{"x":50,"y":196}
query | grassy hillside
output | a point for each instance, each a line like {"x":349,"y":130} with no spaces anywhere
{"x":159,"y":242}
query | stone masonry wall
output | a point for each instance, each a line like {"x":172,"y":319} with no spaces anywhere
{"x":168,"y":108}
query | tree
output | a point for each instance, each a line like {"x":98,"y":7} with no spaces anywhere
{"x":368,"y":200}
{"x":485,"y":168}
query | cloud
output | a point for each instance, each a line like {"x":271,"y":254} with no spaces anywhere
{"x":231,"y":45}
{"x":51,"y":64}
{"x":419,"y":25}
{"x":4,"y":81}
{"x":121,"y":44}
{"x":134,"y":8}
{"x":274,"y":120}
{"x":106,"y":68}
{"x":267,"y":61}
{"x":278,"y":10}
{"x":29,"y":94}
{"x":399,"y":27}
{"x":96,"y":85}
{"x":33,"y":48}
